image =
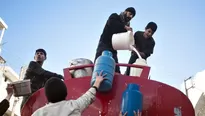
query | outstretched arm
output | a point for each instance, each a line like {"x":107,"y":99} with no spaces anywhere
{"x":35,"y":68}
{"x":49,"y":74}
{"x":85,"y":100}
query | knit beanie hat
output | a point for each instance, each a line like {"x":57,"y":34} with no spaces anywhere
{"x":152,"y":26}
{"x":132,"y":10}
{"x":55,"y":90}
{"x":41,"y":50}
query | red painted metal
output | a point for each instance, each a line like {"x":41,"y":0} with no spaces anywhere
{"x":158,"y":99}
{"x":144,"y":74}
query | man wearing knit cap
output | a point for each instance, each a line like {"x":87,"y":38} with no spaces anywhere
{"x":56,"y":93}
{"x":144,"y":43}
{"x":115,"y":24}
{"x":37,"y":75}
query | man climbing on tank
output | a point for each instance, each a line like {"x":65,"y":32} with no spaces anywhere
{"x":37,"y":75}
{"x":144,"y":43}
{"x":115,"y":24}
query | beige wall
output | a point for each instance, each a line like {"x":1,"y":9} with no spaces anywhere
{"x":200,"y":106}
{"x":3,"y":85}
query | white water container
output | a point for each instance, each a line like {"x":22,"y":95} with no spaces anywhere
{"x":137,"y":71}
{"x":81,"y":72}
{"x":122,"y":41}
{"x":21,"y":88}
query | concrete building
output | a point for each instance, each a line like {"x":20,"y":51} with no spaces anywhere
{"x":22,"y":72}
{"x":3,"y":27}
{"x":7,"y":75}
{"x":194,"y":88}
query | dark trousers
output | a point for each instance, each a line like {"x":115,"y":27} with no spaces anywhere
{"x":114,"y":55}
{"x":131,"y":61}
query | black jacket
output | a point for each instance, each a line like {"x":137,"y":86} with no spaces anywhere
{"x":4,"y":105}
{"x":38,"y":76}
{"x":144,"y":45}
{"x":114,"y":25}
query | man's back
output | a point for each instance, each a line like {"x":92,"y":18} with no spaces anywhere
{"x":63,"y":108}
{"x":67,"y":108}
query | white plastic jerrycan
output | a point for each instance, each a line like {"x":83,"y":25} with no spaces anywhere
{"x":81,"y":72}
{"x":122,"y":41}
{"x":140,"y":61}
{"x":137,"y":71}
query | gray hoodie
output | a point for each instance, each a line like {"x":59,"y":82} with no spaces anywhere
{"x":68,"y":108}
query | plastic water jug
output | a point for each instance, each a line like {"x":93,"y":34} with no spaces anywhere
{"x":123,"y":41}
{"x":131,"y":100}
{"x":107,"y":64}
{"x":137,"y":71}
{"x":81,"y":72}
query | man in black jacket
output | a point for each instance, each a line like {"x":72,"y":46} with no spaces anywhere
{"x":37,"y":75}
{"x":144,"y":43}
{"x":115,"y":24}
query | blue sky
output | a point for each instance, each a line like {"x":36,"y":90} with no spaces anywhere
{"x":70,"y":29}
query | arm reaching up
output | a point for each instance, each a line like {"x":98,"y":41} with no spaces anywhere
{"x":86,"y":99}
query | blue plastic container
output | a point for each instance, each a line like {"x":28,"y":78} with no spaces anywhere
{"x":131,"y":100}
{"x":104,"y":63}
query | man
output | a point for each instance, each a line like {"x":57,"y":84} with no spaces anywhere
{"x":4,"y":104}
{"x":144,"y":43}
{"x":37,"y":75}
{"x":115,"y":24}
{"x":56,"y":93}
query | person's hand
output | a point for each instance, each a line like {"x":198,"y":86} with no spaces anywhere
{"x":122,"y":115}
{"x":9,"y":89}
{"x":135,"y":114}
{"x":99,"y":79}
{"x":128,"y":28}
{"x":138,"y":113}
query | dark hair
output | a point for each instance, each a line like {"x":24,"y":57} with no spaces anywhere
{"x":132,"y":10}
{"x":152,"y":26}
{"x":55,"y":90}
{"x":41,"y":50}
